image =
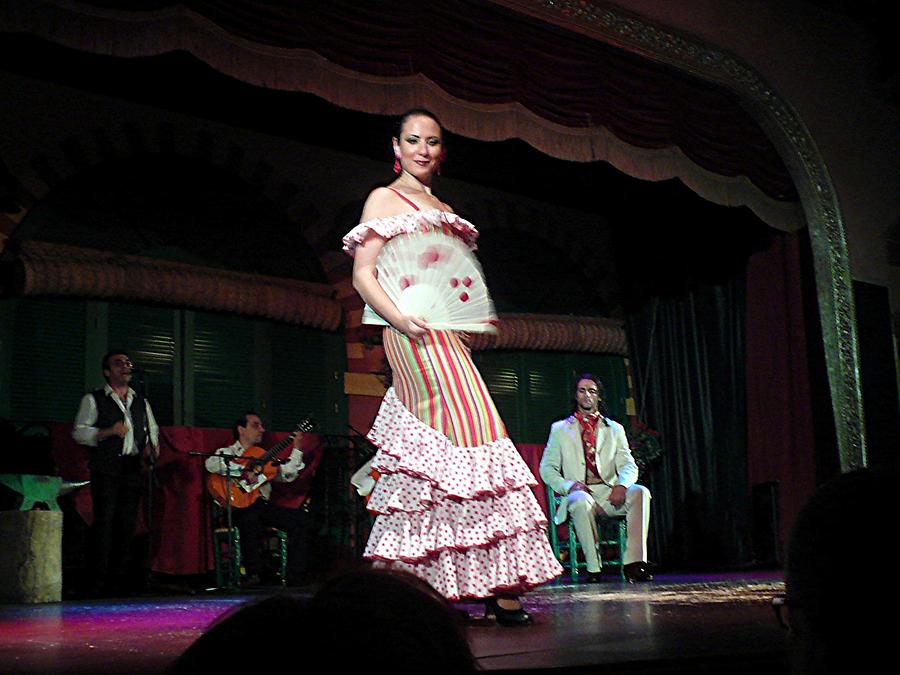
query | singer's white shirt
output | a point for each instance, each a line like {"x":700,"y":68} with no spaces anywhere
{"x":288,"y":471}
{"x":85,"y":431}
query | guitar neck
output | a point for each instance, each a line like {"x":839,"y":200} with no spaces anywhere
{"x":278,"y":447}
{"x":281,"y":445}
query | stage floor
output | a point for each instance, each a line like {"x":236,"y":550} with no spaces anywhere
{"x":706,"y":623}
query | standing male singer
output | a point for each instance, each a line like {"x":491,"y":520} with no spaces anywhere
{"x":117,"y":425}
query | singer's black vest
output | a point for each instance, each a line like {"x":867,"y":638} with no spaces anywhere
{"x":107,"y":456}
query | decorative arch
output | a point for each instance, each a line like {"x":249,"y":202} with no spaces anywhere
{"x":783,"y":126}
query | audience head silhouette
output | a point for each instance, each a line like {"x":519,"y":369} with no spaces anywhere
{"x":371,"y":620}
{"x":837,"y":593}
{"x":394,"y":618}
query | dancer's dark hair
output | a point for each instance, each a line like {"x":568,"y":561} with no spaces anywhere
{"x":415,"y":112}
{"x":601,"y":394}
{"x":241,"y":422}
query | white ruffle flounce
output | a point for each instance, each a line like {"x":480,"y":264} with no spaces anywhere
{"x":464,"y":519}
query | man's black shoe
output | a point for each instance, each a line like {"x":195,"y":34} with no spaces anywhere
{"x":251,"y":581}
{"x":593,"y":578}
{"x":637,"y":572}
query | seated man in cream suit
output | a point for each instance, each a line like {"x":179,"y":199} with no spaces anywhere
{"x":587,"y":459}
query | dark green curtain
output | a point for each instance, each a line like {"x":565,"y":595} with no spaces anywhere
{"x":688,"y":364}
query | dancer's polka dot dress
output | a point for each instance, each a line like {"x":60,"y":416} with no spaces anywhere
{"x":453,"y":502}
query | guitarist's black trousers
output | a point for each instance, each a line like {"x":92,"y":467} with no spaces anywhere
{"x":252,"y":522}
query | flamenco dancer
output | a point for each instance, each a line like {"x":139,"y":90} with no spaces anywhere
{"x":453,"y":501}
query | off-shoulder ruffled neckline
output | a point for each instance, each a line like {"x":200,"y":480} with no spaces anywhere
{"x":419,"y":213}
{"x":408,"y":222}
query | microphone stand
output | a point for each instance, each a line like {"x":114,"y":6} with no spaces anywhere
{"x":365,"y":449}
{"x":141,"y":388}
{"x":362,"y":445}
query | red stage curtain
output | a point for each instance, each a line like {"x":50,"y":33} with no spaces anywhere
{"x":780,"y":432}
{"x":532,"y":453}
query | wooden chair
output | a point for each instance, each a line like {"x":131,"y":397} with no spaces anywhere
{"x":227,"y":551}
{"x":612,"y":535}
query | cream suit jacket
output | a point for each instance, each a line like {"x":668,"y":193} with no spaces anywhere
{"x":563,"y":461}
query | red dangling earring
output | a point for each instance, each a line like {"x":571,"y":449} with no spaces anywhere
{"x":440,"y":162}
{"x":397,"y":167}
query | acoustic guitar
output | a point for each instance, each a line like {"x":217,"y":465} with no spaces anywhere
{"x":244,"y":492}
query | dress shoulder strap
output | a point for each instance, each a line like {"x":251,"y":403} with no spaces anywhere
{"x":408,"y":201}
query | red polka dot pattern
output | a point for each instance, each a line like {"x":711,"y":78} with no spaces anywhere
{"x":464,"y":519}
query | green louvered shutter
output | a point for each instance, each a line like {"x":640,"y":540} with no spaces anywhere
{"x":307,"y":378}
{"x":223,"y":358}
{"x":533,"y":389}
{"x":546,"y":397}
{"x":501,"y":373}
{"x":148,"y":335}
{"x":47,"y":364}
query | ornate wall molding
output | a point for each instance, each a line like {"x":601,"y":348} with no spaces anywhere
{"x":42,"y":269}
{"x":527,"y":332}
{"x":797,"y":147}
{"x":545,"y":332}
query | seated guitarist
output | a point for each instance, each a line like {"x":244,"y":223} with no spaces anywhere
{"x":251,"y":520}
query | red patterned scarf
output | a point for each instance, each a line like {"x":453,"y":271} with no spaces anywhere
{"x":589,"y":423}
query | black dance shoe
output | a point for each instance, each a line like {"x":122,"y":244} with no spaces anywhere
{"x":593,"y":578}
{"x":506,"y":617}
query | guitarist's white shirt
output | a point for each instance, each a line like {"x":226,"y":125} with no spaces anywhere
{"x":288,"y":471}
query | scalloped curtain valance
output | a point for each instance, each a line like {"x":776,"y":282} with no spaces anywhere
{"x":490,"y":73}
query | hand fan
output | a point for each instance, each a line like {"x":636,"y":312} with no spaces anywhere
{"x":436,"y":277}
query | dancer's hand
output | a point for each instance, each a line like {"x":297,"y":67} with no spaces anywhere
{"x":413,"y":327}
